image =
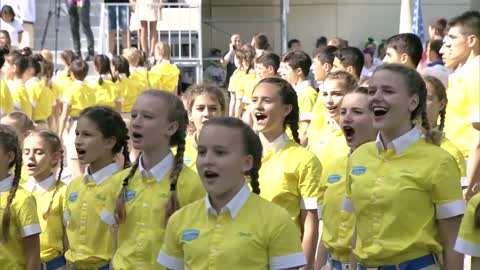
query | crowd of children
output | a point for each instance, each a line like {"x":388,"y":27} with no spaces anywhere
{"x":302,"y":163}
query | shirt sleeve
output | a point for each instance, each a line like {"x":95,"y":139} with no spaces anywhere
{"x":306,"y":102}
{"x":284,"y":247}
{"x":310,"y":173}
{"x":446,"y":190}
{"x":468,"y":240}
{"x":171,"y":253}
{"x":27,"y":218}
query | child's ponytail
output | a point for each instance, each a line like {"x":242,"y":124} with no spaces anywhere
{"x":173,"y":204}
{"x":120,"y":209}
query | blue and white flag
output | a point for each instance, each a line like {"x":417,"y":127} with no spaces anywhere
{"x":417,"y":25}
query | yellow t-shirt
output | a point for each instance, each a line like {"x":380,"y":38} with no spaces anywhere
{"x":51,"y":238}
{"x":235,"y":80}
{"x":129,"y":92}
{"x":306,"y":95}
{"x":79,"y":96}
{"x":468,"y":240}
{"x":23,"y":223}
{"x":464,"y":106}
{"x":244,"y":85}
{"x":338,"y":225}
{"x":249,"y":85}
{"x":6,"y":100}
{"x":290,"y":177}
{"x":412,"y":179}
{"x":198,"y":238}
{"x":141,"y":236}
{"x":165,"y":76}
{"x":141,"y":78}
{"x":89,"y":201}
{"x":108,"y":93}
{"x":41,"y":99}
{"x":21,"y":100}
{"x":448,"y":146}
{"x":61,"y":82}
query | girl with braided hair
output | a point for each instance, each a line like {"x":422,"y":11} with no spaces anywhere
{"x":232,"y":228}
{"x":101,"y":134}
{"x":42,"y":153}
{"x":436,"y":110}
{"x":290,"y":174}
{"x":403,"y":189}
{"x":158,"y":183}
{"x":20,"y":245}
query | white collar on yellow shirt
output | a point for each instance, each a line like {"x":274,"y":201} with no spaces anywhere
{"x":31,"y":81}
{"x":158,"y":171}
{"x":401,"y":143}
{"x":132,"y":69}
{"x":234,"y":205}
{"x":102,"y":175}
{"x":42,"y":186}
{"x":78,"y":82}
{"x":6,"y":184}
{"x":276,"y":145}
{"x":302,"y":85}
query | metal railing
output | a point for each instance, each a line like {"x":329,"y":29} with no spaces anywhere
{"x":180,"y":25}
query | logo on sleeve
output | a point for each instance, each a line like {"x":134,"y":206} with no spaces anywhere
{"x":130,"y":195}
{"x":190,"y":235}
{"x":333,"y":178}
{"x":73,"y":197}
{"x":359,"y":170}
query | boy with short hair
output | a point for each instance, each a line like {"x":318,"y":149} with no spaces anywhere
{"x":404,"y":49}
{"x":349,"y":59}
{"x":435,"y":66}
{"x":294,"y":68}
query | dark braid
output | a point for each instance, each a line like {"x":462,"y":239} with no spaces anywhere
{"x":9,"y":142}
{"x":126,"y":156}
{"x":120,"y":209}
{"x":477,"y":216}
{"x":443,"y":114}
{"x":57,"y":183}
{"x":173,"y":204}
{"x":254,"y":181}
{"x":294,"y":128}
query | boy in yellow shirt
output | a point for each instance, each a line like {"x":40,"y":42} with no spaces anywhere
{"x":461,"y":51}
{"x":138,"y":72}
{"x":294,"y":68}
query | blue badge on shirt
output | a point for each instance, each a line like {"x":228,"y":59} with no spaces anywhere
{"x":130,"y":195}
{"x":333,"y":178}
{"x":187,"y":161}
{"x":73,"y":197}
{"x":359,"y":170}
{"x":190,"y":235}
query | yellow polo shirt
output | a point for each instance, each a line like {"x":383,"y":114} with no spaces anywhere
{"x":141,"y":236}
{"x":51,"y":238}
{"x":397,"y":195}
{"x":197,"y":237}
{"x":41,"y":99}
{"x":141,"y":78}
{"x":61,"y":82}
{"x":191,"y":153}
{"x":165,"y":76}
{"x":23,"y":223}
{"x":338,"y":225}
{"x":21,"y":100}
{"x":464,"y":106}
{"x":79,"y":96}
{"x":290,"y":177}
{"x":88,"y":217}
{"x":468,"y":240}
{"x":108,"y":93}
{"x":6,"y":100}
{"x":130,"y":90}
{"x":328,"y":141}
{"x":448,"y":146}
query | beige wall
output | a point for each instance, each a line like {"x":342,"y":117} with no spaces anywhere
{"x":354,"y":20}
